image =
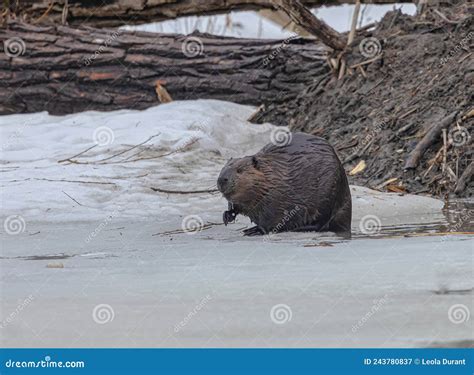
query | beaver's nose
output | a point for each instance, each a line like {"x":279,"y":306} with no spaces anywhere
{"x":222,"y":183}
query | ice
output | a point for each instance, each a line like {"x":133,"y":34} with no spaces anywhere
{"x":151,"y":283}
{"x":96,"y":236}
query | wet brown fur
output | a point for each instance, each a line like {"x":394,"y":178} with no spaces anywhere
{"x":296,"y":187}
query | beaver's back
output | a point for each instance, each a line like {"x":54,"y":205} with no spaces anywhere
{"x":305,"y":173}
{"x":305,"y":163}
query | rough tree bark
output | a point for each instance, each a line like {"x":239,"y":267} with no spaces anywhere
{"x":65,"y":70}
{"x":303,"y":17}
{"x":114,"y":13}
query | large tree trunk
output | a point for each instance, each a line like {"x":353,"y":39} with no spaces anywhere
{"x":65,"y":70}
{"x":113,"y":13}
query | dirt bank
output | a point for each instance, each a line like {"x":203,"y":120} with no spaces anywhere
{"x":419,"y":83}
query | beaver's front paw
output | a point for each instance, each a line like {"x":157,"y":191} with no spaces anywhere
{"x":254,"y":231}
{"x":229,"y":217}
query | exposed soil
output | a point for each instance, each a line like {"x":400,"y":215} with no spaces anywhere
{"x":424,"y":73}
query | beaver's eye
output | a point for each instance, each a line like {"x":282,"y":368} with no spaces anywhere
{"x":239,"y":170}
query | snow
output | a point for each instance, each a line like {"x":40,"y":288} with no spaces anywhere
{"x":201,"y":133}
{"x":249,"y":24}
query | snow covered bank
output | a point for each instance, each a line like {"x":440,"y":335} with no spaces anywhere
{"x":196,"y":136}
{"x":115,"y":158}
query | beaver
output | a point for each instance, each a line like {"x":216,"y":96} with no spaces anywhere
{"x":300,"y":186}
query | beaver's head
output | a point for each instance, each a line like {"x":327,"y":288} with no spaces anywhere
{"x":241,"y":180}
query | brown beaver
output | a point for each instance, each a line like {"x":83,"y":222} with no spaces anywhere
{"x":300,"y":186}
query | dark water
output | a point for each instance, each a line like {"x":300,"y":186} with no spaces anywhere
{"x":457,"y":217}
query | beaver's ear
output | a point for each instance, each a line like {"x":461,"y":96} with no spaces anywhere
{"x":254,"y":162}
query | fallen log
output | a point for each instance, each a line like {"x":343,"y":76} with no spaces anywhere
{"x":62,"y":70}
{"x":114,"y":13}
{"x":430,"y":137}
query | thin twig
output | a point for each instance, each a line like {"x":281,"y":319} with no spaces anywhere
{"x":181,"y":231}
{"x":74,"y":181}
{"x":65,"y":12}
{"x":408,"y":113}
{"x":464,"y":58}
{"x":362,"y":71}
{"x":101,"y":161}
{"x":45,"y":13}
{"x":376,"y":85}
{"x":73,"y":199}
{"x":445,"y":150}
{"x":432,"y":162}
{"x":355,"y":17}
{"x":79,"y":154}
{"x":129,"y":149}
{"x":181,"y":149}
{"x":367,"y":61}
{"x":128,"y":160}
{"x":183,"y":191}
{"x":446,"y":19}
{"x":342,"y":69}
